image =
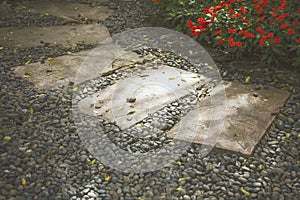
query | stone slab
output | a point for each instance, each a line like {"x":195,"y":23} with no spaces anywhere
{"x":151,"y":90}
{"x":67,"y":10}
{"x":66,"y":36}
{"x":246,"y":118}
{"x":77,"y":67}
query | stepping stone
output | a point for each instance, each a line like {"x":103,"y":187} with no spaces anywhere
{"x":69,"y":11}
{"x":248,"y":116}
{"x":66,"y":36}
{"x":62,"y":70}
{"x":150,"y":91}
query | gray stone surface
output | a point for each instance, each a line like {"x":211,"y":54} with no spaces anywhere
{"x":246,"y":119}
{"x":66,"y":36}
{"x":62,"y":70}
{"x":67,"y":10}
{"x":151,"y":90}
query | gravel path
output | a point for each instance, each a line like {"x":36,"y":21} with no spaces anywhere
{"x":42,"y":157}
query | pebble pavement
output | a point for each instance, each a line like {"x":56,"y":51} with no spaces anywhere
{"x":42,"y":157}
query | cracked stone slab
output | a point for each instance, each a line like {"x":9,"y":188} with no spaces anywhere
{"x":246,"y":119}
{"x":66,"y":36}
{"x":69,"y":11}
{"x":151,"y":89}
{"x":82,"y":66}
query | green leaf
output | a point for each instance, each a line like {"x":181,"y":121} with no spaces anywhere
{"x":248,"y":79}
{"x":245,"y":192}
{"x":7,"y":138}
{"x":31,"y":111}
{"x":26,"y":75}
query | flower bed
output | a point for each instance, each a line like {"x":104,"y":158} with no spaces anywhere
{"x":268,"y":29}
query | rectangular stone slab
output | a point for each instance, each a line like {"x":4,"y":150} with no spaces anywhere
{"x":66,"y":36}
{"x":67,"y":10}
{"x":76,"y":67}
{"x":246,"y":118}
{"x":151,"y":90}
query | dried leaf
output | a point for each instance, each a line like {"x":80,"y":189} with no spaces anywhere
{"x":245,"y":192}
{"x":248,"y":79}
{"x":58,"y":76}
{"x":26,"y":75}
{"x":179,"y":189}
{"x":171,"y":78}
{"x":107,"y":177}
{"x":183,"y":80}
{"x":7,"y":138}
{"x":131,"y":111}
{"x":23,"y":181}
{"x":181,"y":179}
{"x":50,"y":59}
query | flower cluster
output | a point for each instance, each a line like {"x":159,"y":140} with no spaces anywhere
{"x":243,"y":25}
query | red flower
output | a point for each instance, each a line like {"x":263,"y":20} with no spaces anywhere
{"x":246,"y":33}
{"x":211,"y":9}
{"x":276,"y":40}
{"x":238,"y":44}
{"x":281,"y":17}
{"x":221,"y":41}
{"x":261,"y":43}
{"x":232,"y":31}
{"x":230,"y":39}
{"x":271,"y":21}
{"x":298,"y":40}
{"x":274,"y":14}
{"x":246,"y":21}
{"x":231,"y":44}
{"x":294,"y":22}
{"x":201,"y":19}
{"x":244,"y":11}
{"x":230,"y":11}
{"x":270,"y":35}
{"x":205,"y":11}
{"x":291,"y":31}
{"x":155,"y":1}
{"x":261,"y":19}
{"x":260,"y":11}
{"x":284,"y":26}
{"x":251,"y":35}
{"x":274,"y":9}
{"x":219,"y":32}
{"x":263,"y":37}
{"x":298,"y":10}
{"x":233,"y":16}
{"x":189,"y":23}
{"x":241,"y":32}
{"x":258,"y":29}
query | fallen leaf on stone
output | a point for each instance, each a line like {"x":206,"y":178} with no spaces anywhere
{"x":261,"y":166}
{"x":181,"y":179}
{"x":179,"y":189}
{"x":171,"y":78}
{"x":247,"y":80}
{"x":27,"y":62}
{"x":93,"y":161}
{"x":131,"y":112}
{"x":26,"y":75}
{"x":31,"y":111}
{"x":107,"y":177}
{"x":183,"y":80}
{"x":179,"y":163}
{"x":58,"y":76}
{"x":210,"y":67}
{"x":245,"y":192}
{"x":139,"y":125}
{"x":7,"y":138}
{"x":1,"y":48}
{"x":287,"y":135}
{"x":23,"y":181}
